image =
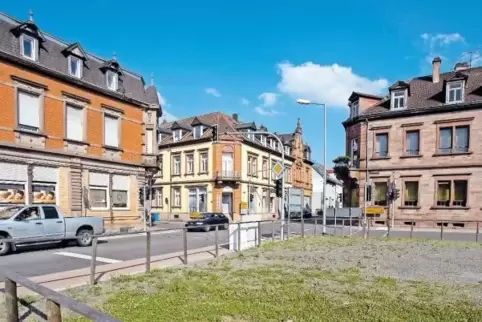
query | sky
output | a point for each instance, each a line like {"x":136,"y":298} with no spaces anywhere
{"x":255,"y":58}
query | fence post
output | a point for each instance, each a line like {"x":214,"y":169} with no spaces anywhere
{"x":54,"y":313}
{"x":288,"y":230}
{"x":11,"y":300}
{"x":302,"y":225}
{"x":349,"y":229}
{"x":184,"y":232}
{"x":388,"y":231}
{"x":216,"y":240}
{"x":334,"y":212}
{"x":343,"y":227}
{"x":441,"y":231}
{"x":239,"y":236}
{"x":259,"y":234}
{"x":411,"y":230}
{"x":316,"y":223}
{"x":148,"y":251}
{"x":272,"y":230}
{"x":368,"y":227}
{"x":477,"y":233}
{"x":93,"y":261}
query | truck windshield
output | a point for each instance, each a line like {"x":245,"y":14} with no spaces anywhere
{"x":6,"y":213}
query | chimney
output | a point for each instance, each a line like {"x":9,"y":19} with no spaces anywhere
{"x":436,"y":69}
{"x":235,"y":116}
{"x":461,"y":66}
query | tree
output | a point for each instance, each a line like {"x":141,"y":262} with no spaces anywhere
{"x":350,"y":185}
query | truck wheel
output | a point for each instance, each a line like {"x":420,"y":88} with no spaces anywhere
{"x":85,"y":237}
{"x":4,"y":247}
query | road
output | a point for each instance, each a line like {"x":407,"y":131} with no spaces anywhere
{"x":48,"y":259}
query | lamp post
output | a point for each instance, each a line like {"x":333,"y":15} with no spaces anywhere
{"x":307,"y":102}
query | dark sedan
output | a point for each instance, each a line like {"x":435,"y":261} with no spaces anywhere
{"x":206,"y":221}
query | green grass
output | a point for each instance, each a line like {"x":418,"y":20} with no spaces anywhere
{"x":257,"y":286}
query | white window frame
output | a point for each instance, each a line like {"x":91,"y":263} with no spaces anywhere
{"x":176,"y":192}
{"x":190,"y":163}
{"x":40,"y":110}
{"x":272,"y":144}
{"x":115,"y":80}
{"x":203,"y":162}
{"x":265,"y":167}
{"x":449,"y":89}
{"x":106,"y":189}
{"x":176,"y":159}
{"x":117,"y":118}
{"x":263,"y":140}
{"x":396,"y":95}
{"x":159,"y":197}
{"x":177,"y":135}
{"x":197,"y":192}
{"x":79,"y":64}
{"x":159,"y":138}
{"x":287,"y":150}
{"x":196,"y":129}
{"x":77,"y":107}
{"x":354,"y":109}
{"x":34,"y":47}
{"x":150,"y":141}
{"x":128,"y":206}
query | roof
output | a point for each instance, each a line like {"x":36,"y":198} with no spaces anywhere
{"x":53,"y":59}
{"x":360,"y":94}
{"x":425,"y":95}
{"x":320,"y":170}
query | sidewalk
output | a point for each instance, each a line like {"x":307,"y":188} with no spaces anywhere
{"x":138,"y":227}
{"x":70,"y":279}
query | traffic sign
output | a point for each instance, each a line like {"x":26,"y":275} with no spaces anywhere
{"x":278,"y":170}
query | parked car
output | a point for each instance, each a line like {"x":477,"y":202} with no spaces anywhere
{"x":203,"y":221}
{"x":34,"y":224}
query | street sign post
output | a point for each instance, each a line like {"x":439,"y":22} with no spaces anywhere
{"x":278,"y":170}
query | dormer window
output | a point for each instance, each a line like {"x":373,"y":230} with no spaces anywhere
{"x":272,"y":143}
{"x":263,"y":140}
{"x":354,"y":109}
{"x":28,"y":47}
{"x":455,"y":92}
{"x":399,"y":100}
{"x":112,"y":79}
{"x":75,"y":66}
{"x":249,"y":135}
{"x":287,"y":150}
{"x":198,"y":131}
{"x":177,"y":135}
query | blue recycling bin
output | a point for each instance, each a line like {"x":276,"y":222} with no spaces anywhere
{"x":155,"y":217}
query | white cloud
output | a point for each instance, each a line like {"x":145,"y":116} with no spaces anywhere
{"x":439,"y":45}
{"x":330,"y":84}
{"x":165,"y":114}
{"x":162,"y":100}
{"x":245,"y":101}
{"x":442,"y":39}
{"x":212,"y":91}
{"x":262,"y":110}
{"x":269,"y":99}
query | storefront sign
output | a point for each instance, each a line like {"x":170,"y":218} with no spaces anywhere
{"x":12,"y":193}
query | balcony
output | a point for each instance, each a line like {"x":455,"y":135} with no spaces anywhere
{"x":228,"y":175}
{"x":354,"y":164}
{"x":150,"y":161}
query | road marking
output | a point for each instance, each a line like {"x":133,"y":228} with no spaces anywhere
{"x":385,"y":234}
{"x":167,"y":232}
{"x":81,"y":256}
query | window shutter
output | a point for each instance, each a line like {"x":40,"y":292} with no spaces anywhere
{"x":28,"y":109}
{"x":111,"y":131}
{"x":120,"y":182}
{"x":98,"y":179}
{"x":75,"y":123}
{"x":44,"y":174}
{"x":13,"y":172}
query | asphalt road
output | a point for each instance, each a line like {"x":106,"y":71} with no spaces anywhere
{"x":48,"y":259}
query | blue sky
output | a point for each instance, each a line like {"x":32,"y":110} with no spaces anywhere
{"x":255,"y":58}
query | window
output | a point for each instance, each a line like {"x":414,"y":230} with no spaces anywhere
{"x":112,"y":78}
{"x":75,"y":66}
{"x":197,"y":200}
{"x":381,"y":190}
{"x":120,"y":193}
{"x":249,"y":135}
{"x":264,"y":201}
{"x":111,"y":131}
{"x":28,"y":47}
{"x":44,"y":193}
{"x":381,"y":147}
{"x":28,"y":111}
{"x":161,"y":165}
{"x":354,"y":109}
{"x":50,"y":212}
{"x":455,"y":92}
{"x":287,"y":150}
{"x":411,"y":194}
{"x":177,"y":165}
{"x":398,"y":100}
{"x":159,"y":201}
{"x":75,"y":123}
{"x":98,"y":197}
{"x":177,"y":197}
{"x":149,"y":141}
{"x":263,"y":140}
{"x":204,"y":162}
{"x":160,"y":137}
{"x":273,"y":163}
{"x":447,"y":141}
{"x":452,"y":193}
{"x":250,"y":166}
{"x":265,"y":168}
{"x":272,"y":144}
{"x":190,"y":163}
{"x":177,"y":135}
{"x":198,"y":131}
{"x":413,"y":143}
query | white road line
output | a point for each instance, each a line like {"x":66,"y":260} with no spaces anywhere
{"x":385,"y":234}
{"x":81,"y":256}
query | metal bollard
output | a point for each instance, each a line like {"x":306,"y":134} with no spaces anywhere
{"x":343,"y":227}
{"x":316,"y":223}
{"x":11,"y":300}
{"x":259,"y":234}
{"x":93,"y":261}
{"x":411,"y":230}
{"x":349,"y":228}
{"x":272,"y":230}
{"x":388,"y":231}
{"x":239,"y":237}
{"x":148,"y":251}
{"x":184,"y":233}
{"x":302,"y":226}
{"x":477,"y":234}
{"x":442,"y":231}
{"x":216,"y":240}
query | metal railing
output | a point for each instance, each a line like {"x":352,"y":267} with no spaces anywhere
{"x":228,"y":175}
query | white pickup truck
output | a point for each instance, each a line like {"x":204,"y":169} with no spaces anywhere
{"x":33,"y":224}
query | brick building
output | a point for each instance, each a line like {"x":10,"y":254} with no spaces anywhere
{"x":75,"y":129}
{"x":199,"y":175}
{"x":424,"y":136}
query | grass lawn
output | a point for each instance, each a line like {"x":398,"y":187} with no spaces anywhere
{"x":312,"y":279}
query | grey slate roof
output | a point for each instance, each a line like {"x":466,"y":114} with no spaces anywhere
{"x":52,"y":57}
{"x":320,"y":170}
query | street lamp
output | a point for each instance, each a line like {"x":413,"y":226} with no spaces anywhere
{"x":302,"y":101}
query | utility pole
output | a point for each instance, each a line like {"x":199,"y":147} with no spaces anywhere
{"x":367,"y":183}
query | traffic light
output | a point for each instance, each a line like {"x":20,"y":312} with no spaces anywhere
{"x":141,"y":195}
{"x":251,"y":197}
{"x":202,"y":198}
{"x":215,"y":133}
{"x":369,"y":193}
{"x":279,"y":188}
{"x":397,"y":194}
{"x":340,"y":197}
